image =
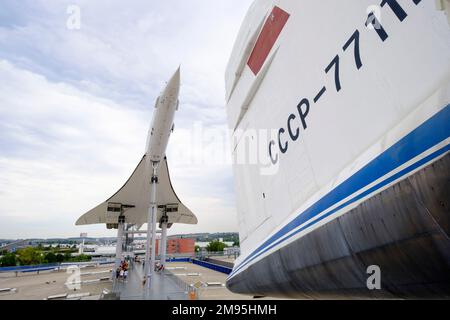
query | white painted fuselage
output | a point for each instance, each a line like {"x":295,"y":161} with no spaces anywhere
{"x":162,"y":123}
{"x":347,"y":99}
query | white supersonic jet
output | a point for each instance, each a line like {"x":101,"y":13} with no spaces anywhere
{"x":137,"y":202}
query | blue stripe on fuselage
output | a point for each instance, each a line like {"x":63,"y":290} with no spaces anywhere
{"x":429,"y":134}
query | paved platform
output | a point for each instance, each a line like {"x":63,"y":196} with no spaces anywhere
{"x":33,"y":286}
{"x":192,"y":274}
{"x":164,"y":287}
{"x":229,"y":259}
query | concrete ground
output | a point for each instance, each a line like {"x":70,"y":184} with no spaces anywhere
{"x":33,"y":286}
{"x":229,"y":259}
{"x":206,"y":275}
{"x":162,"y":287}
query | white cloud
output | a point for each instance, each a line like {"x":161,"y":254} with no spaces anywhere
{"x":128,"y":48}
{"x":75,"y":108}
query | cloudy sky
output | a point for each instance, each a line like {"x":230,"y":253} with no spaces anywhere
{"x":75,"y":106}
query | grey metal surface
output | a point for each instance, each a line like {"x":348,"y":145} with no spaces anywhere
{"x":405,"y":230}
{"x":163,"y":287}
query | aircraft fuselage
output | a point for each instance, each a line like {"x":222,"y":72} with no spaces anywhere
{"x":162,"y":123}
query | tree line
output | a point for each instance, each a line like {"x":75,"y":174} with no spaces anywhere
{"x":33,"y":256}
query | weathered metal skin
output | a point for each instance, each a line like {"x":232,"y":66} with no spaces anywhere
{"x":405,"y":230}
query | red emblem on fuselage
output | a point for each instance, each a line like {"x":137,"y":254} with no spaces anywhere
{"x":267,"y":38}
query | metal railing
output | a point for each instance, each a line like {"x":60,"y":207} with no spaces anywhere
{"x":190,"y":290}
{"x":202,"y":255}
{"x":53,"y":266}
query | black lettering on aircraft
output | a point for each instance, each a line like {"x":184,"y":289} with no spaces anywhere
{"x":354,"y":38}
{"x":372,"y":19}
{"x":303,"y":113}
{"x":295,"y":136}
{"x":303,"y":107}
{"x":285,"y":148}
{"x":396,"y":7}
{"x":319,"y":95}
{"x":335,"y":63}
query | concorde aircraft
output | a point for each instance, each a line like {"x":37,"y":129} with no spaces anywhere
{"x":149,"y":184}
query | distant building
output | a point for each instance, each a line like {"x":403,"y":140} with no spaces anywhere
{"x":181,"y":246}
{"x":58,"y":245}
{"x":14,"y":246}
{"x":178,"y":246}
{"x":232,"y":251}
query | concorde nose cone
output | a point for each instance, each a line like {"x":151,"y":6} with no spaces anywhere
{"x":176,"y":77}
{"x":173,"y":86}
